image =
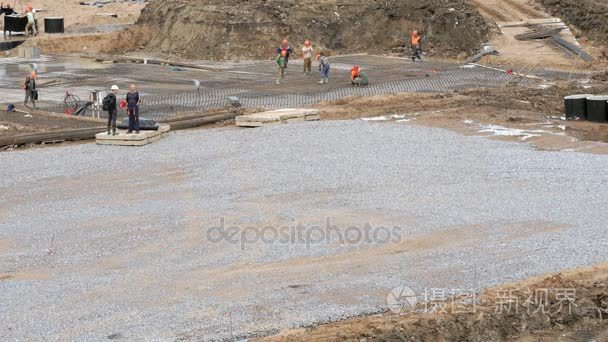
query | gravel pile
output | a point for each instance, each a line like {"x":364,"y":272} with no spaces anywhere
{"x":110,"y":242}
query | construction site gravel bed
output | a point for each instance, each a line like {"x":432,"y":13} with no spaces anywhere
{"x":108,"y":242}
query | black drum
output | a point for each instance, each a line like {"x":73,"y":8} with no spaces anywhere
{"x":53,"y":25}
{"x":597,"y":108}
{"x":576,"y":106}
{"x":14,"y":23}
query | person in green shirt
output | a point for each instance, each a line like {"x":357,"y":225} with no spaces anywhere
{"x":281,"y":65}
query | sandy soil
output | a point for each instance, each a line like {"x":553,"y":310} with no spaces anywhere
{"x":509,"y":10}
{"x":590,"y":16}
{"x":86,"y":30}
{"x":39,"y":122}
{"x":521,"y":311}
{"x":75,"y":14}
{"x":531,"y":54}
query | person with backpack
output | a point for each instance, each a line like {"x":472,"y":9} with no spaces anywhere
{"x":323,"y":67}
{"x":31,"y":90}
{"x":133,"y":101}
{"x":109,"y":104}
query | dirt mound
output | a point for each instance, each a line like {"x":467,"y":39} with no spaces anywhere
{"x":231,"y":29}
{"x":590,"y":16}
{"x":566,"y":306}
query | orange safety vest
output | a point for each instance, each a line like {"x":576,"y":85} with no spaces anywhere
{"x":415,"y":39}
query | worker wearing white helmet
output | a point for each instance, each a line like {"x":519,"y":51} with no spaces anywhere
{"x":110,"y":104}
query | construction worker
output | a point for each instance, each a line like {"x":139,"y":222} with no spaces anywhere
{"x":31,"y":90}
{"x":358,"y":77}
{"x":323,"y":67}
{"x":110,"y":104}
{"x":281,"y":62}
{"x":31,"y":22}
{"x":285,"y":47}
{"x":8,"y":10}
{"x":133,"y":100}
{"x":307,"y":52}
{"x":416,"y":46}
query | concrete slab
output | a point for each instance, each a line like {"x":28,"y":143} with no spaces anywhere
{"x":280,"y":116}
{"x":125,"y":139}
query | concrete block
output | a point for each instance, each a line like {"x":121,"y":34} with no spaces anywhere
{"x":277,"y":117}
{"x":125,"y":139}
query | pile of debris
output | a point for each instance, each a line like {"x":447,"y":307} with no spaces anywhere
{"x":551,"y":34}
{"x":589,"y":16}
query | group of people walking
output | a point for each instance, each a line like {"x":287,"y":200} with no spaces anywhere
{"x":358,"y":76}
{"x":282,"y":60}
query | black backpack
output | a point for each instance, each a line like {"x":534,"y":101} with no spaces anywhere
{"x":106,"y":103}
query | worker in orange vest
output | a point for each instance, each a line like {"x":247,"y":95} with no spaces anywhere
{"x":416,"y":46}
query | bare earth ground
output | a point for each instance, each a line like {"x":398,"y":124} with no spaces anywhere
{"x":527,"y":311}
{"x":531,"y":54}
{"x":528,"y":115}
{"x":76,"y":15}
{"x":85,"y":29}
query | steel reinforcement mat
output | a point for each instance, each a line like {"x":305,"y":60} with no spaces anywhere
{"x":169,"y":90}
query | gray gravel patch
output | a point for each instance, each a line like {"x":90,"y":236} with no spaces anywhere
{"x":99,"y":241}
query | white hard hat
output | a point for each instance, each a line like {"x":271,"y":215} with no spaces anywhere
{"x":115,"y":87}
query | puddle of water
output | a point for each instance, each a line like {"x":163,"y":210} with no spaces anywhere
{"x":510,"y":132}
{"x":397,"y":117}
{"x":376,"y":118}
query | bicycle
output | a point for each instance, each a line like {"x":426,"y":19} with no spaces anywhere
{"x":70,"y":103}
{"x":73,"y":106}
